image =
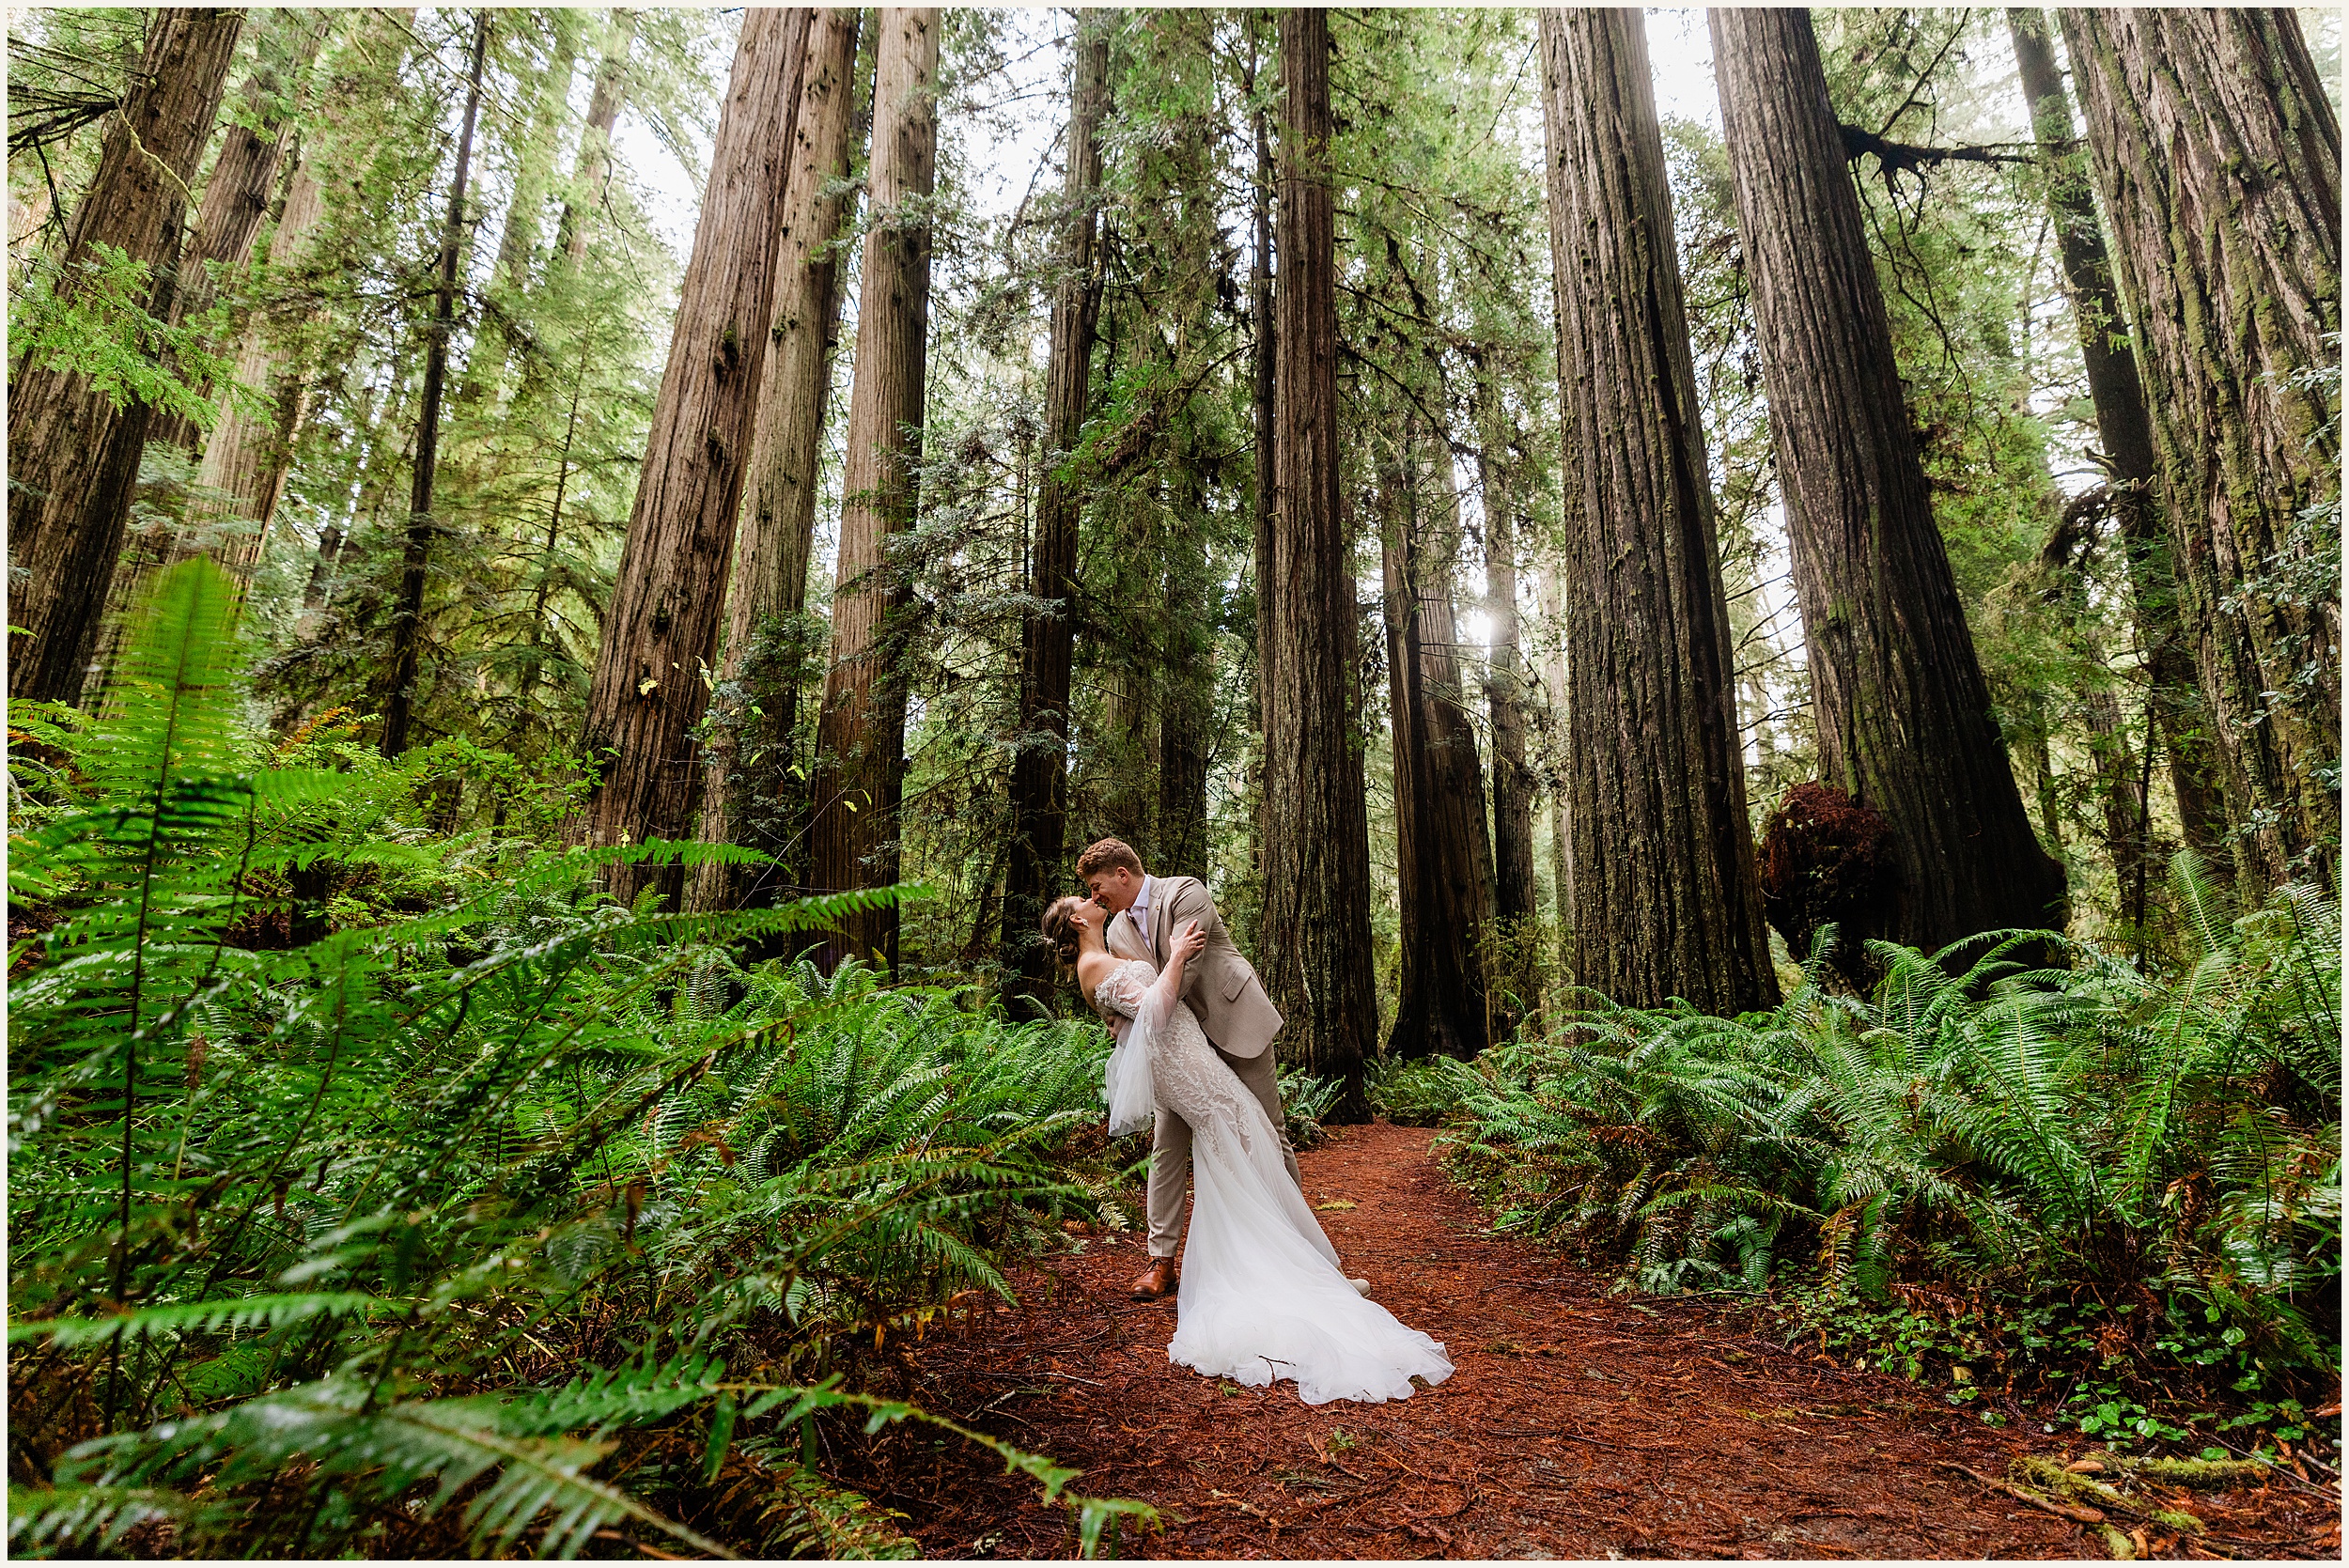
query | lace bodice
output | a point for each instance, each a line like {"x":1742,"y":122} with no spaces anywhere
{"x":1120,"y":990}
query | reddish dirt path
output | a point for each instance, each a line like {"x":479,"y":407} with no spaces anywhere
{"x":1576,"y":1424}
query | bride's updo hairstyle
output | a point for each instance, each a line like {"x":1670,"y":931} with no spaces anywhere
{"x":1061,"y":930}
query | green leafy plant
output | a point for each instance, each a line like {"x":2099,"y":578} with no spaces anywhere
{"x":437,"y":1231}
{"x":1945,"y":1168}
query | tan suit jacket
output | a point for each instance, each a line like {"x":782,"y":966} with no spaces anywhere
{"x":1219,"y":986}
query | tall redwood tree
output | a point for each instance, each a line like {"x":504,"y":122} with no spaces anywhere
{"x":756,"y":791}
{"x":1312,"y":939}
{"x":1039,"y":770}
{"x":860,"y":743}
{"x":2126,"y":430}
{"x":2219,"y":158}
{"x":660,"y":633}
{"x":1667,"y":898}
{"x":73,"y":450}
{"x":1901,"y":711}
{"x":1443,"y":856}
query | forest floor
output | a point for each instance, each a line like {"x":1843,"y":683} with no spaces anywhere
{"x":1576,"y":1423}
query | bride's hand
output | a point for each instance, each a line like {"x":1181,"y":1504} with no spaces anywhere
{"x":1189,"y":942}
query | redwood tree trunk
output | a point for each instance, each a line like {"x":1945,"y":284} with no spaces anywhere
{"x":2126,"y":430}
{"x":661,"y":628}
{"x":1904,"y":715}
{"x":245,"y":176}
{"x":594,"y":141}
{"x":1264,"y":356}
{"x":399,"y":700}
{"x":750,"y":796}
{"x":228,"y":221}
{"x":248,"y":456}
{"x":1667,"y":899}
{"x":2219,"y":158}
{"x":1504,"y":691}
{"x":1039,"y":770}
{"x":1443,"y":861}
{"x":1314,"y":935}
{"x":73,"y":454}
{"x":860,"y":762}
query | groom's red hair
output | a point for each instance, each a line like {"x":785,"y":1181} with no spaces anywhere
{"x":1108,"y":854}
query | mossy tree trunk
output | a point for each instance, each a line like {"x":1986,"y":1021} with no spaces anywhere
{"x":860,"y":761}
{"x":1313,"y":934}
{"x":752,"y":794}
{"x":661,"y":631}
{"x":1039,"y":770}
{"x":1901,"y":711}
{"x":1667,"y":900}
{"x":72,"y":453}
{"x":2218,"y":159}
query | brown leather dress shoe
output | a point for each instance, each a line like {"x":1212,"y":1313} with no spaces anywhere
{"x":1156,"y":1280}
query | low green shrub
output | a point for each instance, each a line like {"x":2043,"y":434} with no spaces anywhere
{"x":2132,"y":1178}
{"x":1419,"y":1094}
{"x":381,"y":1231}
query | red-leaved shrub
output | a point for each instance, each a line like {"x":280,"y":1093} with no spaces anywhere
{"x":1825,"y":857}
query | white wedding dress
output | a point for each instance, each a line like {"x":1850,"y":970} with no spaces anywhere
{"x":1261,"y":1296}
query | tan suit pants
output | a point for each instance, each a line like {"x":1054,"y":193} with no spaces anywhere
{"x":1170,"y":1150}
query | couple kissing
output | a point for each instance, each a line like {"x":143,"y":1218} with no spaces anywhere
{"x":1260,"y":1294}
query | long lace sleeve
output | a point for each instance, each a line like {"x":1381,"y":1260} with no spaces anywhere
{"x":1129,"y":990}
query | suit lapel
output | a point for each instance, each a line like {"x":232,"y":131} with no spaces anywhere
{"x":1158,"y":917}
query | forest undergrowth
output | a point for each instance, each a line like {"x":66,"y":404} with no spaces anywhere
{"x":384,"y":1192}
{"x":2069,"y":1194}
{"x":379,"y":1186}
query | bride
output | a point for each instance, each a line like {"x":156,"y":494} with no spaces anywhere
{"x":1262,"y":1296}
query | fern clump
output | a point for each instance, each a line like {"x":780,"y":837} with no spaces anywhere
{"x":1979,"y":1138}
{"x":430,"y":1222}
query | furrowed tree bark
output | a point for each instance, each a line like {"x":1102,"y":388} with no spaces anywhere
{"x":1443,"y":861}
{"x":1505,"y":691}
{"x":1264,"y":357}
{"x":399,"y":698}
{"x":1667,"y":899}
{"x":1561,"y":839}
{"x":750,"y":795}
{"x":2126,"y":430}
{"x":1039,"y":770}
{"x":595,"y":140}
{"x":1314,"y":937}
{"x":1904,"y":715}
{"x":2218,"y":159}
{"x":228,"y":220}
{"x":246,"y":460}
{"x":860,"y":762}
{"x":72,"y":453}
{"x":660,"y":633}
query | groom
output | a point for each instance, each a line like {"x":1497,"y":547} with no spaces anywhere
{"x":1219,"y":987}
